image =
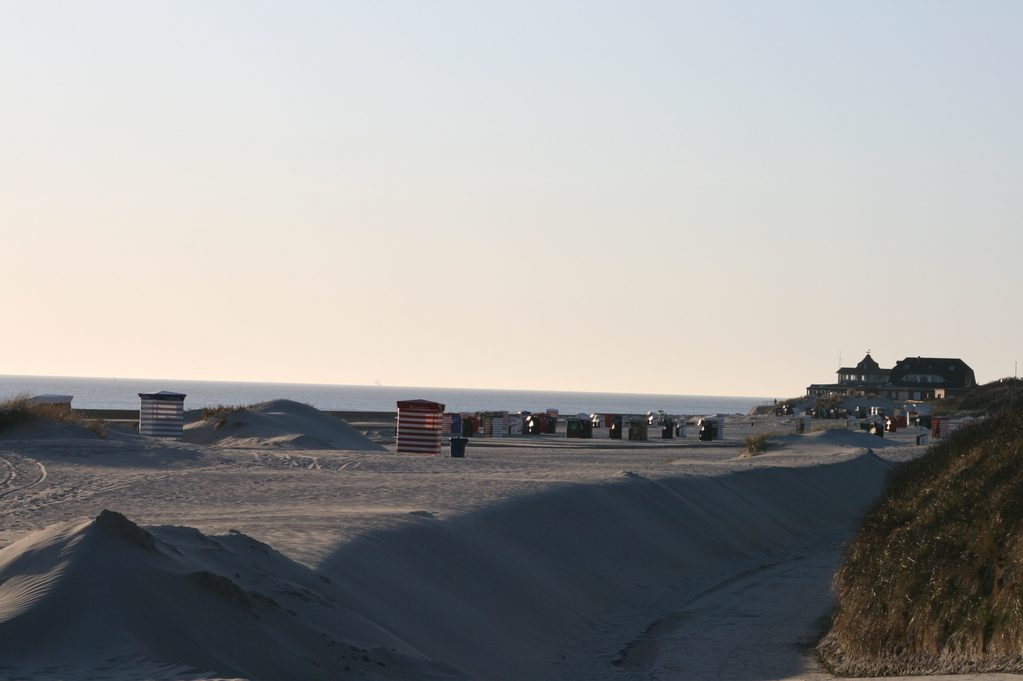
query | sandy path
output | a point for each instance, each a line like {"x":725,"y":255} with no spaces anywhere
{"x":755,"y":625}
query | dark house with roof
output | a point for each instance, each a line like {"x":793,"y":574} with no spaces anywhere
{"x":913,"y":378}
{"x":866,"y":373}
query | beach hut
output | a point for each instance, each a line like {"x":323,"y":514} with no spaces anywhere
{"x":803,"y":424}
{"x":494,"y":423}
{"x":582,"y":428}
{"x":470,"y":424}
{"x":419,"y":426}
{"x":451,"y":424}
{"x":614,"y":431}
{"x":162,"y":414}
{"x":714,"y":426}
{"x":939,"y":426}
{"x":638,"y":429}
{"x":60,"y":403}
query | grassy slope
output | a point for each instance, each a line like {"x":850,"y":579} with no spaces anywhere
{"x":994,"y":397}
{"x":17,"y":411}
{"x":933,"y":581}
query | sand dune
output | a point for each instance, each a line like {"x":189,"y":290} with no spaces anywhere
{"x":504,"y":589}
{"x":280,"y":424}
{"x":577,"y":560}
{"x":41,"y":430}
{"x":497,"y":594}
{"x":92,"y":595}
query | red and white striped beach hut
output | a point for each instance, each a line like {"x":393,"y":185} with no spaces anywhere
{"x":419,"y":426}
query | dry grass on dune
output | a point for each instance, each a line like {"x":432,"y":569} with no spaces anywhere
{"x":991,"y":398}
{"x":755,"y":444}
{"x":933,"y":581}
{"x":220,"y":412}
{"x":19,"y":410}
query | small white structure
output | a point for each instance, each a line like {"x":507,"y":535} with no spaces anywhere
{"x":162,"y":414}
{"x":803,"y":424}
{"x":62,"y":402}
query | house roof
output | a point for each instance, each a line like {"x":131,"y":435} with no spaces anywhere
{"x":420,"y":405}
{"x":955,"y":372}
{"x":867,"y":365}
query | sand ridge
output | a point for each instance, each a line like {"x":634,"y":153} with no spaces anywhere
{"x":279,"y":424}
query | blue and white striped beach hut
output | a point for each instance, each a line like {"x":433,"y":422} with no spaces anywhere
{"x":162,"y":414}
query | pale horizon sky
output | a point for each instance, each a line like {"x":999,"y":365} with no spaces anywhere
{"x":651,"y":197}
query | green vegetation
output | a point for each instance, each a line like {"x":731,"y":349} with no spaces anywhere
{"x":933,"y":581}
{"x":990,"y":398}
{"x":19,"y":411}
{"x":830,"y":402}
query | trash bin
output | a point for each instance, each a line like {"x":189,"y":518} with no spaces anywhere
{"x":458,"y":447}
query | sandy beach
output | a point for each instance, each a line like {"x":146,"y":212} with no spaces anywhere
{"x":535,"y":557}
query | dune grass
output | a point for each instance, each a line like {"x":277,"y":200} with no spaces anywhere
{"x":991,"y":398}
{"x":219,"y":413}
{"x":933,"y":581}
{"x":755,"y":444}
{"x":19,"y":410}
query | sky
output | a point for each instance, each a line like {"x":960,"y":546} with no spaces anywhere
{"x":656,"y":197}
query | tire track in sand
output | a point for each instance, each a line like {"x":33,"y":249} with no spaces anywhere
{"x":12,"y":468}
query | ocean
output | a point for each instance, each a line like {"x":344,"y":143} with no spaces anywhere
{"x":122,"y":393}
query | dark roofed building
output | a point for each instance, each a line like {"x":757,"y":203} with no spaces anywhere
{"x":867,"y":371}
{"x":914,"y":378}
{"x":952,"y":376}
